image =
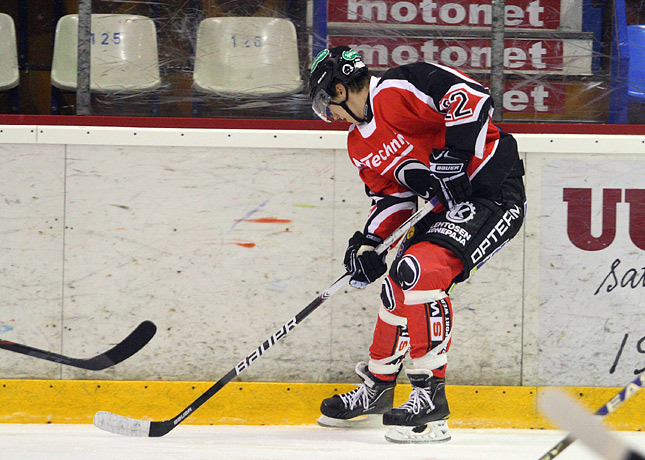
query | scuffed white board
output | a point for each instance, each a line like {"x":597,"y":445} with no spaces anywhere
{"x":218,"y":247}
{"x":592,"y":307}
{"x":31,"y":245}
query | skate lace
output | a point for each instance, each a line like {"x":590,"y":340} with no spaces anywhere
{"x":419,"y":398}
{"x":363,"y":394}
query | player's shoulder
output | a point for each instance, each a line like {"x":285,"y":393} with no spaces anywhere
{"x":420,"y":78}
{"x":396,"y":82}
{"x":410,"y":72}
{"x":426,"y":77}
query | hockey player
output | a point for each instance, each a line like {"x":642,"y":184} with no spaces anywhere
{"x":419,"y":131}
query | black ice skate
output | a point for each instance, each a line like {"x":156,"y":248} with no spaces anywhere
{"x":423,"y":418}
{"x":360,"y":407}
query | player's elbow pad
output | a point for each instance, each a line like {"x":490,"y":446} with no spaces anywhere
{"x":416,"y":177}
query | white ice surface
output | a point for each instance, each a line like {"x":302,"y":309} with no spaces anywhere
{"x":85,"y":442}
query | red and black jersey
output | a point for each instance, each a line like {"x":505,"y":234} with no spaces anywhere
{"x":414,"y":109}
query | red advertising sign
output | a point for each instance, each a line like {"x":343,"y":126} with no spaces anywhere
{"x":544,"y":99}
{"x":534,"y":97}
{"x":468,"y":54}
{"x":528,"y":14}
{"x":579,"y":216}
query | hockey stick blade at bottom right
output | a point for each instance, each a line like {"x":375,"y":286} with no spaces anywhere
{"x":552,"y":408}
{"x":570,"y":415}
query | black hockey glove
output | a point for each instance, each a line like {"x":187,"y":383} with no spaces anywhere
{"x":451,"y":181}
{"x":362,"y":262}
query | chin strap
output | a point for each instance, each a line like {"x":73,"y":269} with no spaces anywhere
{"x":348,"y":110}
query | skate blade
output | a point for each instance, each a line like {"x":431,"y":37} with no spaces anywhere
{"x":431,"y":432}
{"x":362,"y":421}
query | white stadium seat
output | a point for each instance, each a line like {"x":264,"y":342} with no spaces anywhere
{"x":247,"y":56}
{"x":123,"y":54}
{"x":9,"y":76}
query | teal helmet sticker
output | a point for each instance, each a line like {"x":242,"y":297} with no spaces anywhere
{"x":351,"y":55}
{"x":321,"y":57}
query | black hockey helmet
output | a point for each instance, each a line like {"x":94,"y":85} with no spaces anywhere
{"x":339,"y":64}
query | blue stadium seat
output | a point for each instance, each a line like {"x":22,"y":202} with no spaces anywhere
{"x":636,"y":87}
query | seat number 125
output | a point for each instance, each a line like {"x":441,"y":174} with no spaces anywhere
{"x":106,"y":38}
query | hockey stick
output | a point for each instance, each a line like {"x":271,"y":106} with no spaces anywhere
{"x":572,"y":416}
{"x":121,"y":351}
{"x":133,"y":427}
{"x":611,"y":405}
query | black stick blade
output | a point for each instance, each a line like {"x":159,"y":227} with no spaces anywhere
{"x":120,"y":352}
{"x":134,"y":342}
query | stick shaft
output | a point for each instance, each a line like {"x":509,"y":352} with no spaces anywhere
{"x":293,"y":322}
{"x":133,"y":427}
{"x":609,"y":407}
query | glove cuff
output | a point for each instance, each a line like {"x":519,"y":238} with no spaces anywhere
{"x":370,"y":239}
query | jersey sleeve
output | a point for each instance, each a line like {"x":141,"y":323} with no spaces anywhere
{"x":392,"y":204}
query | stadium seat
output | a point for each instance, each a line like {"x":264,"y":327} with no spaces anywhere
{"x":123,"y":57}
{"x":636,"y":86}
{"x":9,"y":76}
{"x":247,"y":56}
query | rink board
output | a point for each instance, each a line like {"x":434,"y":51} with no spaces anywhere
{"x":220,"y":236}
{"x":258,"y":403}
